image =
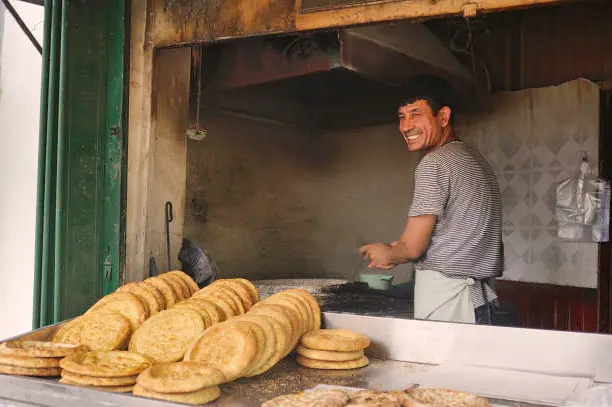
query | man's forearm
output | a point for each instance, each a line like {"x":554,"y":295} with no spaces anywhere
{"x":400,"y":253}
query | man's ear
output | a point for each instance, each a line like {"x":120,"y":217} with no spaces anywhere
{"x":444,"y":116}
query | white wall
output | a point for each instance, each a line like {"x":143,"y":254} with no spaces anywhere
{"x":20,"y":78}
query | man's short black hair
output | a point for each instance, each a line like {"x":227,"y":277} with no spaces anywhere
{"x":435,"y":91}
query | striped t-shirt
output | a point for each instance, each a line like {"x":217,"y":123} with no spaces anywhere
{"x":458,"y":185}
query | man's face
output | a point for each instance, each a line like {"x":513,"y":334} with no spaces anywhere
{"x":422,"y":130}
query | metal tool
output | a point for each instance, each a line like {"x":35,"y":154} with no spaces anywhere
{"x":152,"y":267}
{"x":169,"y":218}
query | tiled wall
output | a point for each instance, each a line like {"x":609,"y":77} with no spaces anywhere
{"x":534,"y":138}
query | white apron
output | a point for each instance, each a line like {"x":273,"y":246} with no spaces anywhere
{"x":439,"y":298}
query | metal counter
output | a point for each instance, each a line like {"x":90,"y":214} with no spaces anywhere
{"x":286,"y":377}
{"x":394,"y":341}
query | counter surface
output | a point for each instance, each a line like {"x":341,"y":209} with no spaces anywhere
{"x":286,"y":377}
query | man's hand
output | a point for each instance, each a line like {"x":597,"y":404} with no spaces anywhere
{"x":411,"y":245}
{"x":379,"y":255}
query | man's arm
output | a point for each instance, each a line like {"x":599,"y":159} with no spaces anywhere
{"x":414,"y":241}
{"x":431,"y":192}
{"x":411,"y":245}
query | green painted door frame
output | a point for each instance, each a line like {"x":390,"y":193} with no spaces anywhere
{"x":82,"y":156}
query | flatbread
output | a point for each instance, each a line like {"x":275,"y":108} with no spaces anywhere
{"x":447,"y":398}
{"x":193,"y":287}
{"x":324,"y":398}
{"x":39,"y":349}
{"x":24,"y":361}
{"x":79,"y":379}
{"x":106,"y":364}
{"x":202,"y":396}
{"x":125,"y":303}
{"x":326,"y":365}
{"x":228,"y":347}
{"x":372,"y":398}
{"x":285,"y":316}
{"x":30,"y":371}
{"x":268,"y":355}
{"x":290,"y":305}
{"x":165,"y":336}
{"x":180,"y":377}
{"x":145,"y":295}
{"x":341,"y":340}
{"x":263,"y":352}
{"x":313,"y":305}
{"x":156,"y":292}
{"x":235,"y":297}
{"x":185,"y":290}
{"x":176,"y":287}
{"x":298,"y":305}
{"x":96,"y":330}
{"x":229,"y":295}
{"x":307,"y":312}
{"x":186,"y":287}
{"x":114,"y":389}
{"x":219,"y":299}
{"x":200,"y":309}
{"x":251,"y":287}
{"x":214,"y":311}
{"x":330,"y":356}
{"x":239,"y":288}
{"x":281,"y":340}
{"x":166,"y":290}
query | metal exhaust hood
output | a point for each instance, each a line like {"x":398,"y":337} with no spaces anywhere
{"x":331,"y":74}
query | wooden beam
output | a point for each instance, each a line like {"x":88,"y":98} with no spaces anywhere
{"x":157,"y":146}
{"x":139,"y":141}
{"x":168,"y":154}
{"x":408,"y":9}
{"x":200,"y":22}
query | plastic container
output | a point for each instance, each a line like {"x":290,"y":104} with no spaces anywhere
{"x":376,"y":281}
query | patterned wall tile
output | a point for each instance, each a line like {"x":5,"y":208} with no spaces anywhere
{"x":547,"y":257}
{"x":570,"y":155}
{"x":484,"y":139}
{"x":542,"y":157}
{"x":533,"y":139}
{"x":544,"y":187}
{"x":513,"y":150}
{"x":518,"y":255}
{"x":569,"y":271}
{"x":514,"y":188}
{"x":588,"y":267}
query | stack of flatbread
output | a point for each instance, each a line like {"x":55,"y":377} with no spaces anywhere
{"x":114,"y":371}
{"x":251,"y":344}
{"x":34,"y":358}
{"x":370,"y":398}
{"x":110,"y":322}
{"x":181,"y":382}
{"x":333,"y":349}
{"x":296,"y":309}
{"x":166,"y":335}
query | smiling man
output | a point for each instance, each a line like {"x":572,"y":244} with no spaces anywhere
{"x":453,"y":231}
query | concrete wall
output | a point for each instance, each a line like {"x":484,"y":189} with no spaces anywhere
{"x":272,"y":201}
{"x":20,"y":77}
